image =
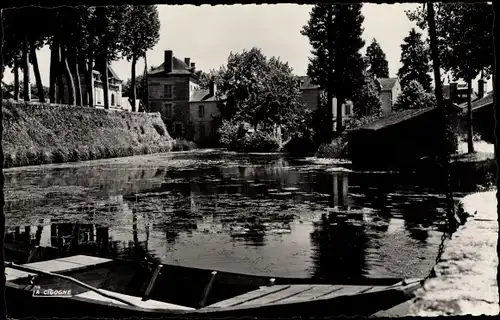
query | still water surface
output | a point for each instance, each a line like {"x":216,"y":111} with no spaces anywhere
{"x":259,"y":214}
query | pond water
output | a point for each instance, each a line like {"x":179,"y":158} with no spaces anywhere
{"x":264,"y":214}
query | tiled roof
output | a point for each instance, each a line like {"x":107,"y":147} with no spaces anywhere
{"x":203,"y":95}
{"x":306,"y":83}
{"x":387,"y":83}
{"x":111,"y":73}
{"x":393,"y":119}
{"x":178,"y":67}
{"x":479,"y":103}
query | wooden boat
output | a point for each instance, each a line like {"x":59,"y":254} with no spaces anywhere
{"x":121,"y":288}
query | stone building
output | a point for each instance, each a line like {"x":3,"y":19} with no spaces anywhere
{"x":170,"y":88}
{"x":203,"y":115}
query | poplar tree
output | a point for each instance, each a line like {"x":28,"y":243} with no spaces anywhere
{"x":415,"y":61}
{"x":376,"y":60}
{"x":336,"y":65}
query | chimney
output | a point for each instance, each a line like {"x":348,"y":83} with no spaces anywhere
{"x":193,"y":66}
{"x":168,"y":61}
{"x":212,"y":88}
{"x":453,"y":91}
{"x":187,"y":61}
{"x":480,"y":88}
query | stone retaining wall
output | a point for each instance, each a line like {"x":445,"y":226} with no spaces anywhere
{"x":465,"y":281}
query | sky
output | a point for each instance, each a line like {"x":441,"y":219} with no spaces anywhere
{"x":207,"y":34}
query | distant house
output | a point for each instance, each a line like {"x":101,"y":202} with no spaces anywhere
{"x":311,"y":97}
{"x":114,"y":92}
{"x":203,"y":111}
{"x":390,"y":89}
{"x":483,"y":117}
{"x":310,"y":94}
{"x":458,"y":91}
{"x":171,"y":86}
{"x":347,"y":113}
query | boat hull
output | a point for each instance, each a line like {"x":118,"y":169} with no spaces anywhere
{"x":21,"y":303}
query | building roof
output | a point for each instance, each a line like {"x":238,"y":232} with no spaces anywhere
{"x":111,"y":73}
{"x":178,"y":67}
{"x":387,"y":83}
{"x":393,"y":118}
{"x":203,"y":95}
{"x":479,"y":103}
{"x":306,"y":83}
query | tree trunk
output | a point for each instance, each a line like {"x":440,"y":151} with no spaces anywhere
{"x":16,"y":78}
{"x":340,"y":102}
{"x":53,"y":73}
{"x":105,"y":83}
{"x":38,"y":78}
{"x":69,"y":78}
{"x":134,"y":95}
{"x":59,"y":77}
{"x":145,"y":87}
{"x":329,"y":89}
{"x":76,"y":73}
{"x":82,"y":67}
{"x":26,"y":71}
{"x":470,"y":141}
{"x":90,"y":79}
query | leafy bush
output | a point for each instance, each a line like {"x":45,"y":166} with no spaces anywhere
{"x":239,"y":137}
{"x":183,"y":145}
{"x":336,"y":149}
{"x":414,"y":96}
{"x":228,"y":134}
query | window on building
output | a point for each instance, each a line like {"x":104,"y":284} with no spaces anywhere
{"x":112,"y":99}
{"x":201,"y":111}
{"x":168,"y":91}
{"x":347,"y":109}
{"x":168,"y":110}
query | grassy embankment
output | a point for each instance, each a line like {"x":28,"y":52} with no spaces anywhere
{"x":35,"y":133}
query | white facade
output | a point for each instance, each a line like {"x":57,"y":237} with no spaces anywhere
{"x":347,"y":112}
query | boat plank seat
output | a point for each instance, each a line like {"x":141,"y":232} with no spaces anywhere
{"x":148,"y":304}
{"x":66,"y":264}
{"x":290,"y":294}
{"x":13,"y":274}
{"x":279,"y":296}
{"x":317,"y":291}
{"x":255,"y":294}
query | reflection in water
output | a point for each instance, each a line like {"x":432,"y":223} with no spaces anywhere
{"x":248,"y":213}
{"x":339,"y":252}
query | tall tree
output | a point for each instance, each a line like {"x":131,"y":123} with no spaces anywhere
{"x":464,"y":35}
{"x":376,"y":60}
{"x":260,"y":91}
{"x":334,"y":32}
{"x":143,"y":33}
{"x":415,"y":61}
{"x":110,"y":23}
